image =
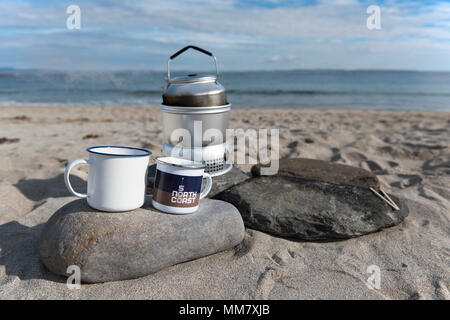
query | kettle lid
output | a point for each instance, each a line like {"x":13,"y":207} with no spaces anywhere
{"x":193,"y":78}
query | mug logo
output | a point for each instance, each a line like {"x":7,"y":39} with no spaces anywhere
{"x":181,"y":196}
{"x":177,"y":191}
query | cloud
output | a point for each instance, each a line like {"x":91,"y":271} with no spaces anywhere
{"x":277,"y":58}
{"x":243,"y":34}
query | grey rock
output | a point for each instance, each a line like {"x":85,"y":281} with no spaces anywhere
{"x":151,"y":174}
{"x":220,"y":183}
{"x":227,"y":180}
{"x":323,"y":171}
{"x":293,"y":207}
{"x":118,"y":246}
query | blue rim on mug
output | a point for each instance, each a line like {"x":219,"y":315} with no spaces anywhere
{"x":144,"y":153}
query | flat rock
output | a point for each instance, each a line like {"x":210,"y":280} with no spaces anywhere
{"x":293,"y":207}
{"x":220,"y":183}
{"x":323,"y":171}
{"x":227,"y":180}
{"x":119,"y":246}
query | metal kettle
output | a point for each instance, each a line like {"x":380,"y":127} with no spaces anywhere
{"x":194,"y":90}
{"x":198,"y":105}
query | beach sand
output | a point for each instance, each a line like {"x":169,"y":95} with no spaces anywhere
{"x":409,"y":151}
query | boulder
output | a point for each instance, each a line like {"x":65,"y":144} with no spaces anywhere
{"x":118,"y":246}
{"x":313,"y":200}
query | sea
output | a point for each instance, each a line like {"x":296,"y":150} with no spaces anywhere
{"x":299,"y":89}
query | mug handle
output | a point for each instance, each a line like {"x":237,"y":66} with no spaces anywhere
{"x":67,"y":180}
{"x":208,"y":185}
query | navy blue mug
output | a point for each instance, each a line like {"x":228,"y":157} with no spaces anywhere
{"x":178,"y":185}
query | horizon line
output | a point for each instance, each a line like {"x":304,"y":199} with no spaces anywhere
{"x":6,"y":69}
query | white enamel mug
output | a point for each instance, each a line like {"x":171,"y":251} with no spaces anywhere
{"x":117,"y":177}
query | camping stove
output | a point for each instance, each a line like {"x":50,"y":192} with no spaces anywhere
{"x":214,"y":157}
{"x":195,"y":118}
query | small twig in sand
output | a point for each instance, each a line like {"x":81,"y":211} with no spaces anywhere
{"x":385,"y":198}
{"x":389,"y":198}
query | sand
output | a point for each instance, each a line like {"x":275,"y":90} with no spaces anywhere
{"x":409,"y":151}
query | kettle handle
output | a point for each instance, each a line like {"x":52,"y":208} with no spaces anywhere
{"x":176,"y":54}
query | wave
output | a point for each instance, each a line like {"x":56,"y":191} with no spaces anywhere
{"x":143,"y":92}
{"x":9,"y":91}
{"x":105,"y":92}
{"x":322,"y":92}
{"x":276,"y":92}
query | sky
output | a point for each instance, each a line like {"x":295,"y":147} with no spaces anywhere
{"x":243,"y":35}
